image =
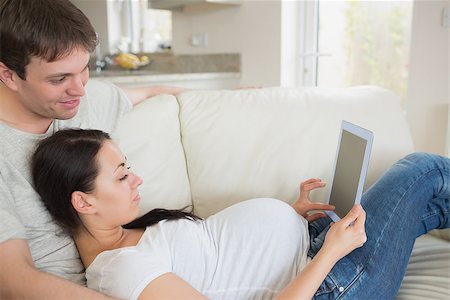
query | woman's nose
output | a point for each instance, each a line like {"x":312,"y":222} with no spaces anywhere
{"x":137,"y":181}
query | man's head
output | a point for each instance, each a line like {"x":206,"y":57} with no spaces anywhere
{"x":46,"y":29}
{"x":45,"y":47}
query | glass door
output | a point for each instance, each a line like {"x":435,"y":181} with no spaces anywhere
{"x":357,"y":43}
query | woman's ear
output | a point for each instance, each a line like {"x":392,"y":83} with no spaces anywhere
{"x":7,"y":77}
{"x":80,"y":202}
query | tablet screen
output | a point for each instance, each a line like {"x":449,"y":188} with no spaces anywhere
{"x":347,"y":174}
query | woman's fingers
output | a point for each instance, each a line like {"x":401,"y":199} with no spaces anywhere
{"x":316,"y":216}
{"x":311,"y":184}
{"x":320,"y":206}
{"x":310,"y":181}
{"x":361,"y":219}
{"x":357,"y":216}
{"x":353,"y":215}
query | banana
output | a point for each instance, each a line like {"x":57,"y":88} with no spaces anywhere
{"x":131,"y":61}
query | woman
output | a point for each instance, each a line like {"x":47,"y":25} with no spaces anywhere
{"x":257,"y":249}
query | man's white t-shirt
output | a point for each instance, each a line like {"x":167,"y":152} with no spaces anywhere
{"x":22,"y":214}
{"x":250,"y":250}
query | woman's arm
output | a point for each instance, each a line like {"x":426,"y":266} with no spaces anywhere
{"x":342,"y":238}
{"x":308,"y":281}
{"x":171,"y":287}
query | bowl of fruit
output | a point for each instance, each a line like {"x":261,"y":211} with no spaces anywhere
{"x":131,"y":61}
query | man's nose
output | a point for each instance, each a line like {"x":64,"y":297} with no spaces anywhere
{"x":76,"y":87}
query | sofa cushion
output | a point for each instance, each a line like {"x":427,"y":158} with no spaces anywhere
{"x":149,"y":136}
{"x":245,"y":144}
{"x":428,"y":272}
{"x":442,"y":233}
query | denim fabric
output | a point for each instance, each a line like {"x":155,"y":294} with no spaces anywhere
{"x":409,"y":200}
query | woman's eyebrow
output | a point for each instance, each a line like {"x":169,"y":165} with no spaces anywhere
{"x":120,"y":165}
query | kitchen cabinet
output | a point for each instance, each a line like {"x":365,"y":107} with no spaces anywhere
{"x":177,"y":4}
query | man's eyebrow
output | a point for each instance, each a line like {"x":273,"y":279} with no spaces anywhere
{"x":66,"y":74}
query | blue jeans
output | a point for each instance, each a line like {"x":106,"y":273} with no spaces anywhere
{"x":410,"y":199}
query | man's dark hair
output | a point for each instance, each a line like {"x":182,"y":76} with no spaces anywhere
{"x":48,"y":29}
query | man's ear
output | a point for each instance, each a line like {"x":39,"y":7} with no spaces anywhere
{"x":7,"y":77}
{"x":81,"y":203}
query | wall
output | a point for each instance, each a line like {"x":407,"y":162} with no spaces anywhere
{"x":255,"y":30}
{"x":97,"y":12}
{"x":252,"y":29}
{"x":428,"y":93}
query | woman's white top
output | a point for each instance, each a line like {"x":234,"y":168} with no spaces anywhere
{"x":250,"y":250}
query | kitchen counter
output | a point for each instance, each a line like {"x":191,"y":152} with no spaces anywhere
{"x":206,"y":71}
{"x":203,"y":80}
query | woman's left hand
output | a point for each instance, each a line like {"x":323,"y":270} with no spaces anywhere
{"x":303,"y":205}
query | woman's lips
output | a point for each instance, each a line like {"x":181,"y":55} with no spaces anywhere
{"x":137,"y":198}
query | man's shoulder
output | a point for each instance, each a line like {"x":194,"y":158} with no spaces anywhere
{"x":101,"y":87}
{"x":102,"y":92}
{"x":16,"y":145}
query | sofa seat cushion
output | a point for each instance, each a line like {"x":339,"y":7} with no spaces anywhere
{"x":443,"y":234}
{"x":428,"y":272}
{"x":149,"y":136}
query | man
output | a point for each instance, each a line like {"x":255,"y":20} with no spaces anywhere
{"x":45,"y":47}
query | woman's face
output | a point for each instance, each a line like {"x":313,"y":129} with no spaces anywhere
{"x":115,"y":196}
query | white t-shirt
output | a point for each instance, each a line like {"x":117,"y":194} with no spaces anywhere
{"x":250,"y":250}
{"x":22,"y":214}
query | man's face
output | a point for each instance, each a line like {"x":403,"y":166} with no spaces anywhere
{"x":52,"y":90}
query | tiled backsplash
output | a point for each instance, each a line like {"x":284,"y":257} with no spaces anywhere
{"x":204,"y":63}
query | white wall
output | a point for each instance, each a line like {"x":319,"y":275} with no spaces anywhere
{"x":428,"y":92}
{"x":252,"y":29}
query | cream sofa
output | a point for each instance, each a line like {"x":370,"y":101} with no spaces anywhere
{"x":211,"y":149}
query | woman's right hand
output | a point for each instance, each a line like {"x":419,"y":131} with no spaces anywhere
{"x":346,"y":235}
{"x":342,"y":238}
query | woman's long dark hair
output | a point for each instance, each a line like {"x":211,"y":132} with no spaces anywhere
{"x":66,"y":162}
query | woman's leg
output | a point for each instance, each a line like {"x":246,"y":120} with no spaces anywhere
{"x":411,"y":199}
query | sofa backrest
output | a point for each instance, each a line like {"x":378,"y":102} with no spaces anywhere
{"x":216,"y":148}
{"x":149,"y":136}
{"x":244,"y":144}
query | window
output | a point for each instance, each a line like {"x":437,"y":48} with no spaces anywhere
{"x":357,"y":43}
{"x":156,"y":31}
{"x":141,"y":29}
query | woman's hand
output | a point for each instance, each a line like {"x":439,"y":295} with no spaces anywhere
{"x":346,"y":235}
{"x":303,"y":205}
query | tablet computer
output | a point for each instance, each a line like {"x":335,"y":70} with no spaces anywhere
{"x":350,"y":169}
